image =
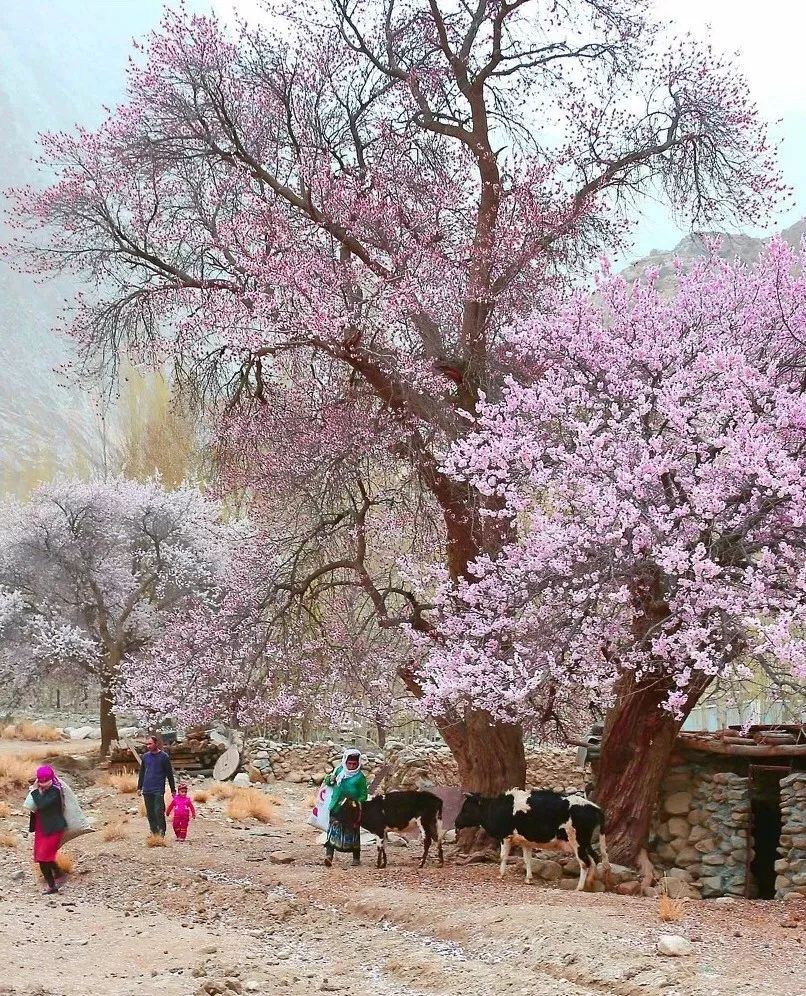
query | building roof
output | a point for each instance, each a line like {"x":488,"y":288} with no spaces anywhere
{"x":781,"y":740}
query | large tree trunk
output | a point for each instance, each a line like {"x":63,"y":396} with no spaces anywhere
{"x":638,"y":739}
{"x":109,"y":725}
{"x":490,"y":758}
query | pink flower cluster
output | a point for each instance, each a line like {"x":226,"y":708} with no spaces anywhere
{"x":654,"y":473}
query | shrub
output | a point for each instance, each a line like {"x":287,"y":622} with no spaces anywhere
{"x":223,"y":790}
{"x":5,"y":809}
{"x":201,"y":796}
{"x":669,"y":910}
{"x":125,"y":782}
{"x":65,"y":862}
{"x":246,"y":803}
{"x":114,"y":831}
{"x":8,"y":839}
{"x":17,"y":770}
{"x":156,"y":840}
{"x":26,"y":730}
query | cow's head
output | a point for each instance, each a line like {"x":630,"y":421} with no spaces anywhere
{"x":470,"y":815}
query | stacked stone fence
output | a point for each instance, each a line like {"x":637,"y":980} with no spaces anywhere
{"x":407,"y":765}
{"x":791,"y":866}
{"x":702,"y":831}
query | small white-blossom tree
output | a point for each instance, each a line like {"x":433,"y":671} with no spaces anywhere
{"x":90,"y":571}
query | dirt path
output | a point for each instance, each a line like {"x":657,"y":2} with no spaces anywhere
{"x":218,"y":915}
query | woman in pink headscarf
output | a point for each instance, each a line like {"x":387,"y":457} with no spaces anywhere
{"x":47,"y":823}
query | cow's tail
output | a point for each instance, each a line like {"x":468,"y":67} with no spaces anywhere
{"x":440,"y":827}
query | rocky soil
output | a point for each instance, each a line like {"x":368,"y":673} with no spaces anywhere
{"x":246,"y":908}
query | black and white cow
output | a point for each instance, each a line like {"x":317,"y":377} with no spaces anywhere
{"x":395,"y":811}
{"x":539,"y":820}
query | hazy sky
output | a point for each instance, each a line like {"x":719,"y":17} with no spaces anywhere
{"x":60,"y":60}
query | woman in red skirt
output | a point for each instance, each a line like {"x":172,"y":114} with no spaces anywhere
{"x":47,"y":823}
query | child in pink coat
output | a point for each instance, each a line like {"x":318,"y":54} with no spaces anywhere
{"x":183,"y":811}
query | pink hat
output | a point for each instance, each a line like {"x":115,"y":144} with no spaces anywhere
{"x":45,"y":773}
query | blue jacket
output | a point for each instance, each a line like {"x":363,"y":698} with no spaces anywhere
{"x":155,"y":768}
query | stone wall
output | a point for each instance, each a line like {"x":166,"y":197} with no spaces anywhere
{"x":303,"y":762}
{"x":415,"y":765}
{"x":427,"y":763}
{"x":791,"y":866}
{"x":701,"y":832}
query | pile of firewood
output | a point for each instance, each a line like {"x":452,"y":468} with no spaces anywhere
{"x":782,"y":735}
{"x":196,"y":754}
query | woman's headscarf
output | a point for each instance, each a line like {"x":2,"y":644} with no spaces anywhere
{"x":45,"y":773}
{"x":345,"y":771}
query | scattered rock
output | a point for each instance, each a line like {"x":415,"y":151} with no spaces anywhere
{"x":674,"y":946}
{"x":79,"y":732}
{"x":549,"y":871}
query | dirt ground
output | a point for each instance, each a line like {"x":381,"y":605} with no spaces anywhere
{"x":224,"y":913}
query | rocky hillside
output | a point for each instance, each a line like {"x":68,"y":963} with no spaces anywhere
{"x":693,"y":247}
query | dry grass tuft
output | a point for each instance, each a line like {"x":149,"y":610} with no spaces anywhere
{"x":5,"y":809}
{"x":246,"y":803}
{"x":65,"y":862}
{"x":16,"y":770}
{"x":201,"y":796}
{"x":223,"y":790}
{"x":125,"y":782}
{"x":156,"y":840}
{"x":114,"y":831}
{"x":670,"y":910}
{"x":8,"y":839}
{"x":26,"y":730}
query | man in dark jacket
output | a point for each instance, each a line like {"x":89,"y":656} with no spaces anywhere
{"x":155,"y":768}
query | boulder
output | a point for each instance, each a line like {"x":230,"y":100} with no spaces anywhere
{"x":678,"y":888}
{"x":620,"y":874}
{"x":679,"y":873}
{"x":242,"y":780}
{"x":678,"y":827}
{"x":678,"y":804}
{"x":549,"y":871}
{"x":79,"y":732}
{"x":674,"y":946}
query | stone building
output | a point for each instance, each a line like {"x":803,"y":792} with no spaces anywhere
{"x":731,"y":816}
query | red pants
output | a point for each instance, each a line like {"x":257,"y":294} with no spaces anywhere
{"x":180,"y":826}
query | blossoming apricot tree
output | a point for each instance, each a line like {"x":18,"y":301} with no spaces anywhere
{"x":338,"y":227}
{"x":656,"y":470}
{"x":93,"y":569}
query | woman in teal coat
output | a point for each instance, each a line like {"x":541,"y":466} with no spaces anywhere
{"x":348,"y":782}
